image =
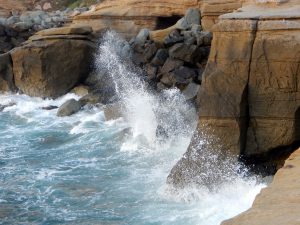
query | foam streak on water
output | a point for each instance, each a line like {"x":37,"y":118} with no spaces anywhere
{"x":85,"y":170}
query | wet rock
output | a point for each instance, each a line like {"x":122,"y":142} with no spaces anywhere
{"x":160,"y":86}
{"x":113,"y":111}
{"x":2,"y":107}
{"x":190,"y":92}
{"x":69,"y":108}
{"x":92,"y":99}
{"x":6,"y":74}
{"x":151,"y":71}
{"x":160,"y":57}
{"x":50,"y":107}
{"x":183,"y":52}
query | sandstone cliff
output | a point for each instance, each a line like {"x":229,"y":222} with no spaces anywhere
{"x":129,"y":16}
{"x":278,"y":203}
{"x":248,"y":100}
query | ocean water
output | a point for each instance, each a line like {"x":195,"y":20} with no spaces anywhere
{"x":84,"y":169}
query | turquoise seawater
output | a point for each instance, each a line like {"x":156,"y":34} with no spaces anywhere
{"x":85,"y":170}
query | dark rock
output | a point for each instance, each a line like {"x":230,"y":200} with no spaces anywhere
{"x":160,"y":86}
{"x":204,"y":38}
{"x":171,"y":64}
{"x":173,"y":38}
{"x":68,"y":108}
{"x":168,"y":79}
{"x":202,"y":54}
{"x":6,"y":74}
{"x":50,"y":107}
{"x":160,"y":57}
{"x":2,"y":107}
{"x":190,"y":41}
{"x":149,"y":52}
{"x":184,"y":75}
{"x":184,"y":52}
{"x":151,"y":71}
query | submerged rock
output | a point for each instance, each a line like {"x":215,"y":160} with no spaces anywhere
{"x":50,"y":107}
{"x":113,"y":111}
{"x":68,"y":108}
{"x":2,"y":107}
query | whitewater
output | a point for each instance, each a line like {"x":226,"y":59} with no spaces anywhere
{"x":84,"y":169}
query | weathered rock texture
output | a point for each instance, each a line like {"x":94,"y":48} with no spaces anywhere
{"x":249,"y":98}
{"x":278,"y":203}
{"x":53,"y":61}
{"x":129,"y":16}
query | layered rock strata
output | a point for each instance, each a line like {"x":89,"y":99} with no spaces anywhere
{"x":249,"y":95}
{"x":53,"y":61}
{"x":128,"y":17}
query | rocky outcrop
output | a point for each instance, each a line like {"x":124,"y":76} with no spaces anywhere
{"x":279,"y":202}
{"x":6,"y":74}
{"x":248,"y":98}
{"x":128,"y":17}
{"x":53,"y":61}
{"x":176,"y":59}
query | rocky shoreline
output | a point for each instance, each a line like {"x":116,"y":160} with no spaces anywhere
{"x":241,"y":70}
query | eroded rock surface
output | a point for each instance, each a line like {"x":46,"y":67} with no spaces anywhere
{"x":278,"y":203}
{"x":53,"y":62}
{"x":249,"y":94}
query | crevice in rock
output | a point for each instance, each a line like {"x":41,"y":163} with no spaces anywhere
{"x":270,"y":162}
{"x":245,"y":121}
{"x":165,"y":22}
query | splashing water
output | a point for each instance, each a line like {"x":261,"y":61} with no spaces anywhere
{"x":145,"y":112}
{"x":85,"y":170}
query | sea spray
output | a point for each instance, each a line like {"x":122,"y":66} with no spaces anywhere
{"x":151,"y":115}
{"x":76,"y":170}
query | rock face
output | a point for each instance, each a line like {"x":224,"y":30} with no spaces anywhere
{"x":6,"y":74}
{"x":279,"y":202}
{"x":128,"y":17}
{"x":248,"y":98}
{"x":53,"y":62}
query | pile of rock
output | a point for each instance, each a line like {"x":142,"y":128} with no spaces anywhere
{"x":176,"y":56}
{"x":17,"y":28}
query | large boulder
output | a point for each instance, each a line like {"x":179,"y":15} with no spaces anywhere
{"x":248,"y":98}
{"x":69,"y":108}
{"x":51,"y":66}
